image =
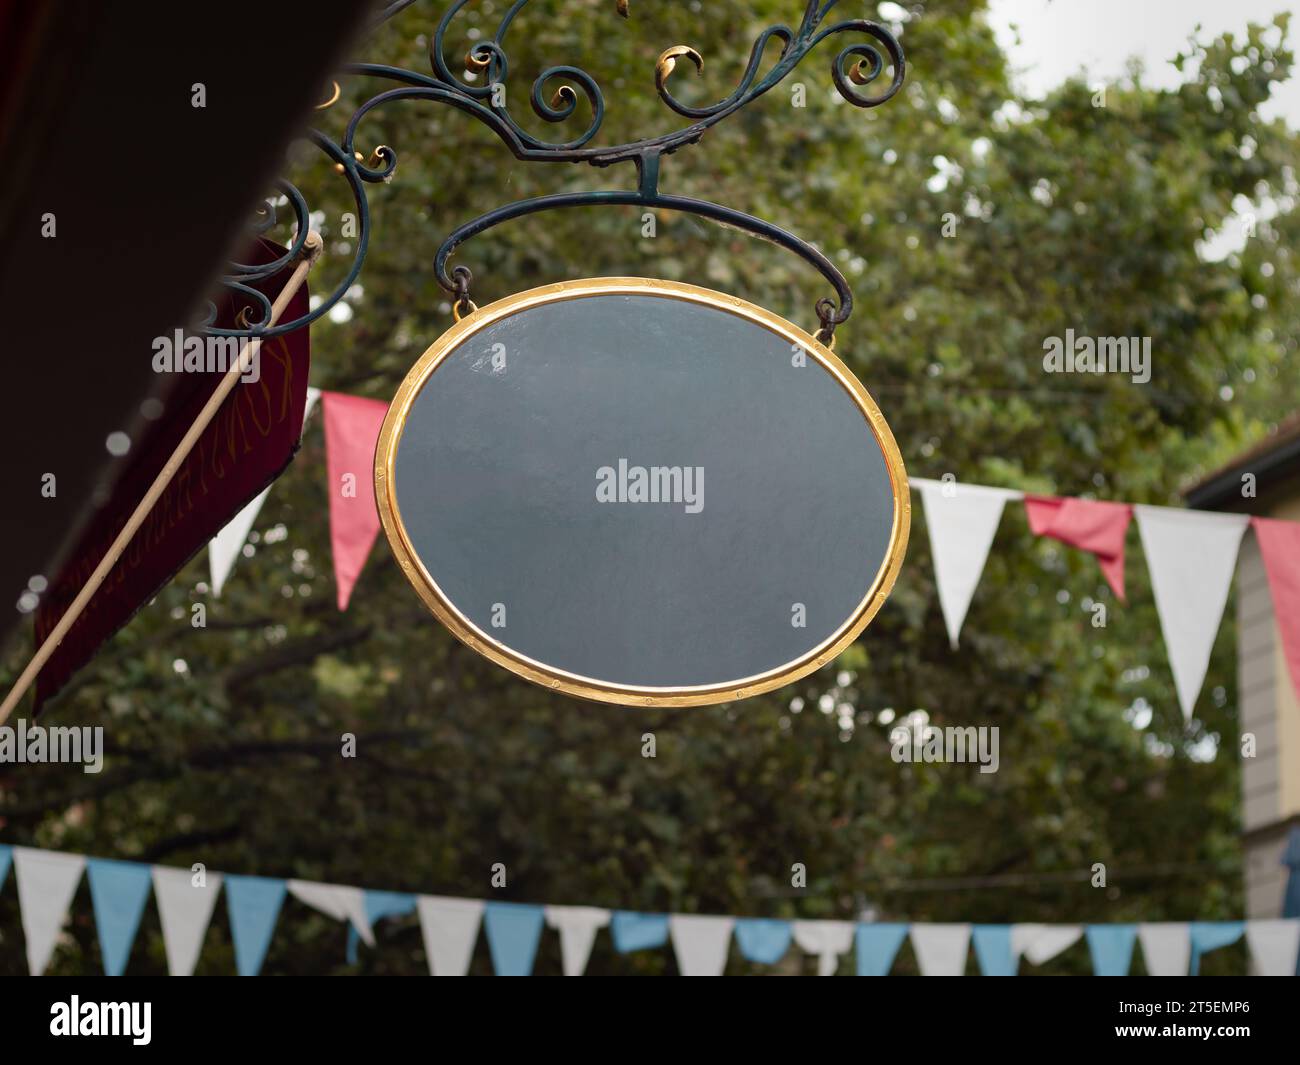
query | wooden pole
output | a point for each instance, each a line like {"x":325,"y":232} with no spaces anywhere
{"x":311,"y":251}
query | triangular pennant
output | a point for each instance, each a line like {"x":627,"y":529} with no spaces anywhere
{"x":383,"y":904}
{"x":993,"y":949}
{"x":1111,"y":946}
{"x":941,"y":949}
{"x":762,"y":940}
{"x":352,"y":427}
{"x":450,"y":929}
{"x":1166,"y":948}
{"x":46,"y":883}
{"x":254,"y":904}
{"x":1192,"y":556}
{"x":878,"y":946}
{"x":1279,"y":544}
{"x":1290,"y":862}
{"x":1212,"y":935}
{"x":700,"y":943}
{"x":118,"y":891}
{"x":224,"y":548}
{"x":1274,"y":946}
{"x":184,"y":908}
{"x":962,"y":520}
{"x":337,"y":901}
{"x":638,"y":931}
{"x":313,"y":394}
{"x":513,"y":931}
{"x":379,"y":905}
{"x":1040,"y":943}
{"x":827,"y":940}
{"x":577,"y":926}
{"x":1087,"y":524}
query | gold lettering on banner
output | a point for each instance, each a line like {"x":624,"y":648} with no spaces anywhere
{"x":169,"y":508}
{"x":133,"y":552}
{"x":150,"y":533}
{"x":182,"y":483}
{"x":264,"y":389}
{"x":279,"y":351}
{"x":159,"y":516}
{"x":234,"y":420}
{"x":218,"y":470}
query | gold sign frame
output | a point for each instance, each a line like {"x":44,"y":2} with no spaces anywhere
{"x":589,"y":687}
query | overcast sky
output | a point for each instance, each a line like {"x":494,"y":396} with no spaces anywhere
{"x":1062,"y":37}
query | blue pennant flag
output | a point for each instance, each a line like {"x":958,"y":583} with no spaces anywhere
{"x":878,"y":946}
{"x":1211,"y":935}
{"x":993,"y":949}
{"x":254,"y":904}
{"x":513,"y":931}
{"x":1111,"y":947}
{"x":118,"y":891}
{"x":6,"y":855}
{"x":1291,"y":896}
{"x":638,"y":931}
{"x":1291,"y":859}
{"x":379,"y":904}
{"x":762,"y":940}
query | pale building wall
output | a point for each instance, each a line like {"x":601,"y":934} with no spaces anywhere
{"x":1268,"y":708}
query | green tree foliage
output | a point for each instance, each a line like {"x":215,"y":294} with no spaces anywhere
{"x":973,"y":223}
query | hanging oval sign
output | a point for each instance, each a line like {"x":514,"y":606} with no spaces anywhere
{"x":642,"y":492}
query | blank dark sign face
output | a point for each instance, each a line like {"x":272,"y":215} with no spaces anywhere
{"x":642,"y":492}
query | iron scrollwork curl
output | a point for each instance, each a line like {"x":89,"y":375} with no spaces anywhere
{"x":856,"y":66}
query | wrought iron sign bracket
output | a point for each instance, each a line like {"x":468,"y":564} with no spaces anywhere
{"x":855,"y":66}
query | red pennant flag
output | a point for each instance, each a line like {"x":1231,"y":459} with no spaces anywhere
{"x":1279,"y":543}
{"x":351,"y":434}
{"x":1088,"y":525}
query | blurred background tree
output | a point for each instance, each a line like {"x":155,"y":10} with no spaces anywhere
{"x":972,"y":223}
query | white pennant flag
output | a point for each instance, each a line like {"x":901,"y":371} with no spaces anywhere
{"x":184,"y":910}
{"x":225,"y":547}
{"x":1039,"y":943}
{"x":46,"y":883}
{"x":313,"y":394}
{"x":1274,"y":945}
{"x":450,"y":930}
{"x":1192,"y":556}
{"x":1166,"y":947}
{"x":826,"y":939}
{"x":962,"y":520}
{"x":577,"y":926}
{"x":334,"y":900}
{"x":941,"y":948}
{"x":701,"y":943}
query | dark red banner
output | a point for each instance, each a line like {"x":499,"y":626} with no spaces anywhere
{"x":246,"y":446}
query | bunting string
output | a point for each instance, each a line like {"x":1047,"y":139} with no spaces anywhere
{"x":1191,"y":555}
{"x":701,"y":943}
